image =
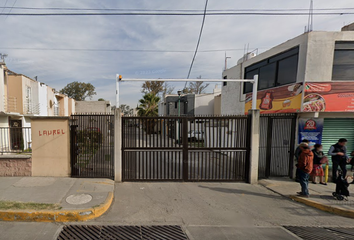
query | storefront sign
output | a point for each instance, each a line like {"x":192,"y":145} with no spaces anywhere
{"x":285,"y":99}
{"x":311,"y":129}
{"x":329,"y":97}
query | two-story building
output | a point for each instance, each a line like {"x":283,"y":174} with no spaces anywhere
{"x":311,"y":75}
{"x":23,"y":98}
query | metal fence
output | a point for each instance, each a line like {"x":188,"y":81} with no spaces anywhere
{"x":276,"y":146}
{"x":92,"y":145}
{"x":185,"y":148}
{"x":15,"y":140}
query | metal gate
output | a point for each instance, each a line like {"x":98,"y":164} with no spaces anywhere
{"x":276,"y":147}
{"x":92,"y":146}
{"x":185,"y":148}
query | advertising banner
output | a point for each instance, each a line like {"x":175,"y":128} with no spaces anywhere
{"x":284,"y":99}
{"x":329,"y":97}
{"x":311,"y":129}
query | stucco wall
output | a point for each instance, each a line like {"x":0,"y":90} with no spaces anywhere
{"x":315,"y":64}
{"x":92,"y":107}
{"x":71,"y":104}
{"x":51,"y":146}
{"x":217,"y":105}
{"x":232,"y":100}
{"x":43,"y":103}
{"x":2,"y":87}
{"x":204,"y":104}
{"x":51,"y":101}
{"x":15,"y":166}
{"x":320,"y":54}
{"x":15,"y":90}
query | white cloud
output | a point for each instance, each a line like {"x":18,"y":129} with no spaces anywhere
{"x":58,"y":68}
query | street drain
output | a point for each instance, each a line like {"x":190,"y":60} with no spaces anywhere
{"x":323,"y":233}
{"x":121,"y":232}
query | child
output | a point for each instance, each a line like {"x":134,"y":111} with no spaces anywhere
{"x":318,"y":159}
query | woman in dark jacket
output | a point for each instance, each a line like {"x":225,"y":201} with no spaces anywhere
{"x":318,"y":159}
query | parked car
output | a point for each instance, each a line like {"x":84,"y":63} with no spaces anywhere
{"x":195,"y":135}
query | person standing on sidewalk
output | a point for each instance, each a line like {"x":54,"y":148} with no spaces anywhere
{"x":318,"y":159}
{"x":297,"y":153}
{"x":305,"y":166}
{"x":339,"y":155}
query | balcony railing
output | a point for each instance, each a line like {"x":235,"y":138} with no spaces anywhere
{"x":30,"y":108}
{"x":10,"y":104}
{"x":15,"y":140}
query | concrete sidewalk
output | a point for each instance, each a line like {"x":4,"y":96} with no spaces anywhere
{"x":320,"y":195}
{"x":78,"y":199}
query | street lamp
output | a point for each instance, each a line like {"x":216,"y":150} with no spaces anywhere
{"x":179,"y":114}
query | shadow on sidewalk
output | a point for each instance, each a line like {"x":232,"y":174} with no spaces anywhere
{"x":243,"y":192}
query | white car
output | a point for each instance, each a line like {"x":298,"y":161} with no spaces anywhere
{"x":195,"y":135}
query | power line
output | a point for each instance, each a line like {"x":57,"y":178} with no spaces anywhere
{"x":11,"y":8}
{"x":200,"y":36}
{"x":4,"y":6}
{"x":119,"y":50}
{"x":180,"y":14}
{"x":174,"y":10}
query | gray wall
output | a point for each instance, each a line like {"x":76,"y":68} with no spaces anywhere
{"x":92,"y":106}
{"x":187,"y":105}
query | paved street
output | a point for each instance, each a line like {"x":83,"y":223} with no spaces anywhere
{"x":204,"y":210}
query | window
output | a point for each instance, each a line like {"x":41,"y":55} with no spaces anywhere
{"x":267,"y":76}
{"x":287,"y":70}
{"x":249,"y":86}
{"x":224,"y":83}
{"x":275,"y":71}
{"x":343,"y":62}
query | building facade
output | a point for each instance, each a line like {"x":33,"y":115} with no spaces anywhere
{"x":24,"y":98}
{"x":191,"y":104}
{"x":311,"y":75}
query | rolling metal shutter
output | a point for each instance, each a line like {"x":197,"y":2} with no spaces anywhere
{"x":336,"y":128}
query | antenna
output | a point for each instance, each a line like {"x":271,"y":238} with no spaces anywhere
{"x":226,"y":61}
{"x":3,"y":56}
{"x":310,"y":19}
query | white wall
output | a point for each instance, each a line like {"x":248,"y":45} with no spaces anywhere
{"x":66,"y":106}
{"x":204,"y":104}
{"x":2,"y":89}
{"x":43,"y":103}
{"x":319,"y":63}
{"x":231,"y":94}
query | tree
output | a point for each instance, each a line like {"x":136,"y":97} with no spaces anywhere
{"x":153,"y":87}
{"x":101,"y":99}
{"x":148,"y":106}
{"x":196,"y":87}
{"x":79,"y":90}
{"x":126,"y":110}
{"x":167,"y":89}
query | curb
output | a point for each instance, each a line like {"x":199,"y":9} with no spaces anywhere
{"x":57,"y":215}
{"x":335,"y":210}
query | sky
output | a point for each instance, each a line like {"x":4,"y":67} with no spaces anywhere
{"x":57,"y":68}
